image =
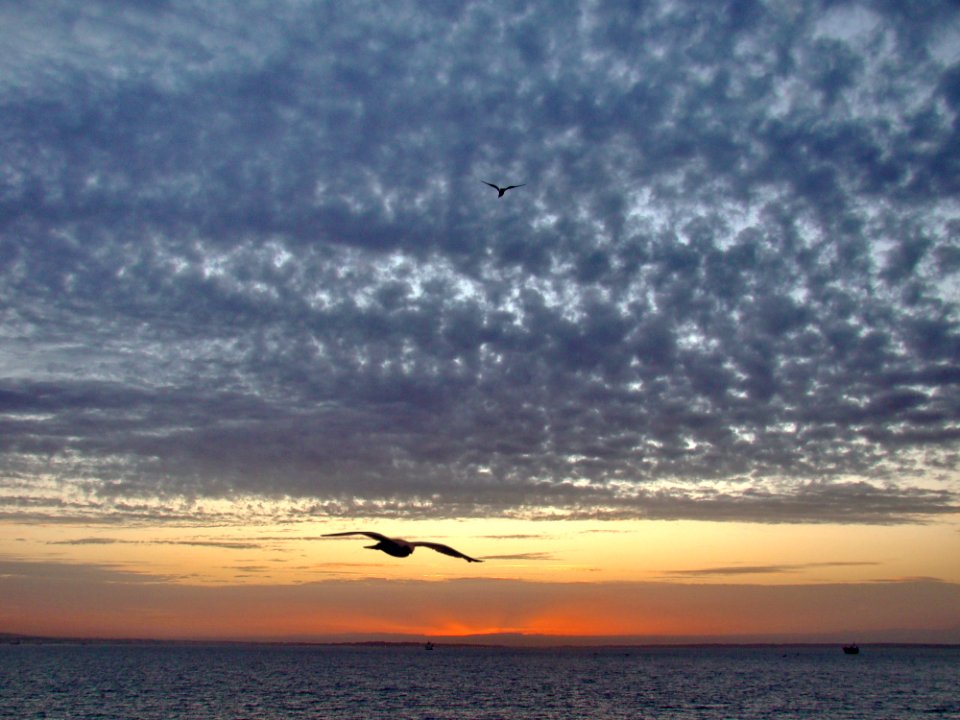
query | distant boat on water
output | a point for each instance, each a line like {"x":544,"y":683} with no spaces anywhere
{"x":428,"y":646}
{"x":851,"y":649}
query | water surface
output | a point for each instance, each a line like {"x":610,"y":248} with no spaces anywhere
{"x":193,"y":682}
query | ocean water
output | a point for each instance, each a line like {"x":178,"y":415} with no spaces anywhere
{"x":181,"y":682}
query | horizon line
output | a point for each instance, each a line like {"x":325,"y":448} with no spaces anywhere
{"x":498,"y":640}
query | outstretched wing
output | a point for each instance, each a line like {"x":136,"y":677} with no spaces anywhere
{"x":511,"y":187}
{"x":446,"y":550}
{"x":495,"y":187}
{"x":373,"y":535}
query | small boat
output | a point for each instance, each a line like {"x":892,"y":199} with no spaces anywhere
{"x":428,"y":646}
{"x":851,"y":649}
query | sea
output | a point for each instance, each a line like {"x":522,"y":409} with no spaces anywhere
{"x":101,"y":680}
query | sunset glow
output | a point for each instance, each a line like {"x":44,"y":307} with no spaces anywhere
{"x":598,"y":580}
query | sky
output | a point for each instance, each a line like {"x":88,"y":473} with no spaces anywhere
{"x":699,"y":377}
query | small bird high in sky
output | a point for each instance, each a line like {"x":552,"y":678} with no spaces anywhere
{"x":502,"y":190}
{"x":400,"y":548}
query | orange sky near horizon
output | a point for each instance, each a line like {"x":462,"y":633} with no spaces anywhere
{"x":563,"y":579}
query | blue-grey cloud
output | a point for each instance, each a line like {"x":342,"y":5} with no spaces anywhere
{"x":730,"y":570}
{"x":245,"y":251}
{"x":14,"y":569}
{"x":534,"y":556}
{"x":222,"y":544}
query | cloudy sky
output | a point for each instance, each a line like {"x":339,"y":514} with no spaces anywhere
{"x":250,"y":273}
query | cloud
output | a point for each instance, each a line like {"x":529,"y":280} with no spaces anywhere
{"x":522,"y":556}
{"x":261,"y":264}
{"x":222,"y":544}
{"x":911,"y":579}
{"x":733,"y":570}
{"x":80,"y":574}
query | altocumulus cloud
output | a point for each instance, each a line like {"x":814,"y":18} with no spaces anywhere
{"x":246,"y":253}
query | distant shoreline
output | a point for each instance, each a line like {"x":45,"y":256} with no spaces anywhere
{"x":531,"y":643}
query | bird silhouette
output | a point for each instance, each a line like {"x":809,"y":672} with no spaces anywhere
{"x":397,"y":547}
{"x":502,"y":190}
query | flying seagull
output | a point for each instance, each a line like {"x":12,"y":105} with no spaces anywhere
{"x":502,"y":190}
{"x":401,"y":548}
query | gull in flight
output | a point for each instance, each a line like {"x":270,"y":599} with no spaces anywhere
{"x":401,"y":548}
{"x":501,"y":190}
